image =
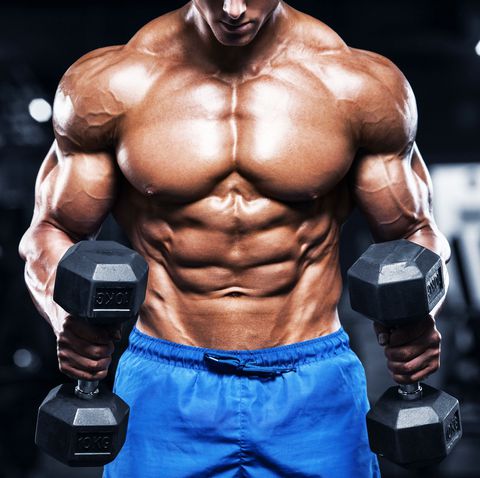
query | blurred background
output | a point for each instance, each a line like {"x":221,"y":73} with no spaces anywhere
{"x":436,"y":44}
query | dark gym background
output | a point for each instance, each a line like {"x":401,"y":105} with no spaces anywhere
{"x":436,"y":44}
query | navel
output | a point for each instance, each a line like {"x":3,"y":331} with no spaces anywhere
{"x":149,"y":191}
{"x":234,"y":295}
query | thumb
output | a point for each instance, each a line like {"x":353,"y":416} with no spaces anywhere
{"x":383,"y":334}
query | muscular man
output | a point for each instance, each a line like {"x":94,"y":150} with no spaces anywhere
{"x":230,"y":140}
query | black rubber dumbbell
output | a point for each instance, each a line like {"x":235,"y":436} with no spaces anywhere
{"x":103,"y":283}
{"x":396,"y":283}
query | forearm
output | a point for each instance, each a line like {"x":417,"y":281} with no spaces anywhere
{"x":431,"y":238}
{"x":42,"y":247}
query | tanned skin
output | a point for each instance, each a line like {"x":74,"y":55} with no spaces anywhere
{"x":231,"y":141}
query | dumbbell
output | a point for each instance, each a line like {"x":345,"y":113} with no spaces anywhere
{"x":396,"y":283}
{"x":102,"y":283}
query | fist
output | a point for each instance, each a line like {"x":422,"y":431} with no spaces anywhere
{"x":84,"y":351}
{"x":412,"y":351}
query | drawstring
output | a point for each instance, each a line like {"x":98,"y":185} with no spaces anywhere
{"x":229,"y":363}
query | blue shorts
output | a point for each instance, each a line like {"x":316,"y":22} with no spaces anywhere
{"x":291,"y":411}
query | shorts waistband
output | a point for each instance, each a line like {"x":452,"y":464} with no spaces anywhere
{"x":283,"y":358}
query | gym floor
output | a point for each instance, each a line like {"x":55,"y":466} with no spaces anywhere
{"x":437,"y":46}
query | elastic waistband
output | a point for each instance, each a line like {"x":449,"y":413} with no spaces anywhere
{"x":284,"y":357}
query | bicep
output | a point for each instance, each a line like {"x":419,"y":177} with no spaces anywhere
{"x":394,"y":193}
{"x":75,"y":191}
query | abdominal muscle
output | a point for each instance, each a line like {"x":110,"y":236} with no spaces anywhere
{"x":236,"y":273}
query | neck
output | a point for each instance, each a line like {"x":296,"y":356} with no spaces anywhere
{"x":269,"y":38}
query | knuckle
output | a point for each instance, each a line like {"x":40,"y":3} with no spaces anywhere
{"x":62,"y":355}
{"x":98,"y":365}
{"x":437,"y":339}
{"x":94,"y":365}
{"x":100,"y":375}
{"x":400,"y":367}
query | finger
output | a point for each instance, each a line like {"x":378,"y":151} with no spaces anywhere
{"x":406,"y":333}
{"x":431,"y":357}
{"x":91,"y":333}
{"x":84,"y":364}
{"x":416,"y":377}
{"x":383,"y":333}
{"x":429,"y":340}
{"x":78,"y":374}
{"x":82,"y":347}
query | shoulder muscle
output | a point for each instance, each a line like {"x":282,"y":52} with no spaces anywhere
{"x":93,"y":95}
{"x":386,"y":108}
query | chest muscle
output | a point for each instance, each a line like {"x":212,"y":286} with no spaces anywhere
{"x":289,"y":142}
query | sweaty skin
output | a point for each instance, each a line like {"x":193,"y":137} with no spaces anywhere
{"x":231,"y":161}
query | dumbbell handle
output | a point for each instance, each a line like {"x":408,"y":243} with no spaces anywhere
{"x":410,"y":391}
{"x":86,"y":389}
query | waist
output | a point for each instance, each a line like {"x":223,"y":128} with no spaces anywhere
{"x":239,"y":324}
{"x":161,"y":350}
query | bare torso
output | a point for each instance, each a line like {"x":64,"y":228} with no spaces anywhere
{"x":234,"y":183}
{"x":236,"y":198}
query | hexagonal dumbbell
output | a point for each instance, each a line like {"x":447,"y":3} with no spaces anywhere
{"x":396,"y":283}
{"x":104,"y":283}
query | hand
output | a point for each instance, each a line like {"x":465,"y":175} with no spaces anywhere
{"x":84,"y":351}
{"x":412,"y":351}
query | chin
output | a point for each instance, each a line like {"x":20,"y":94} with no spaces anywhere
{"x":242,"y":42}
{"x":233,"y":40}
